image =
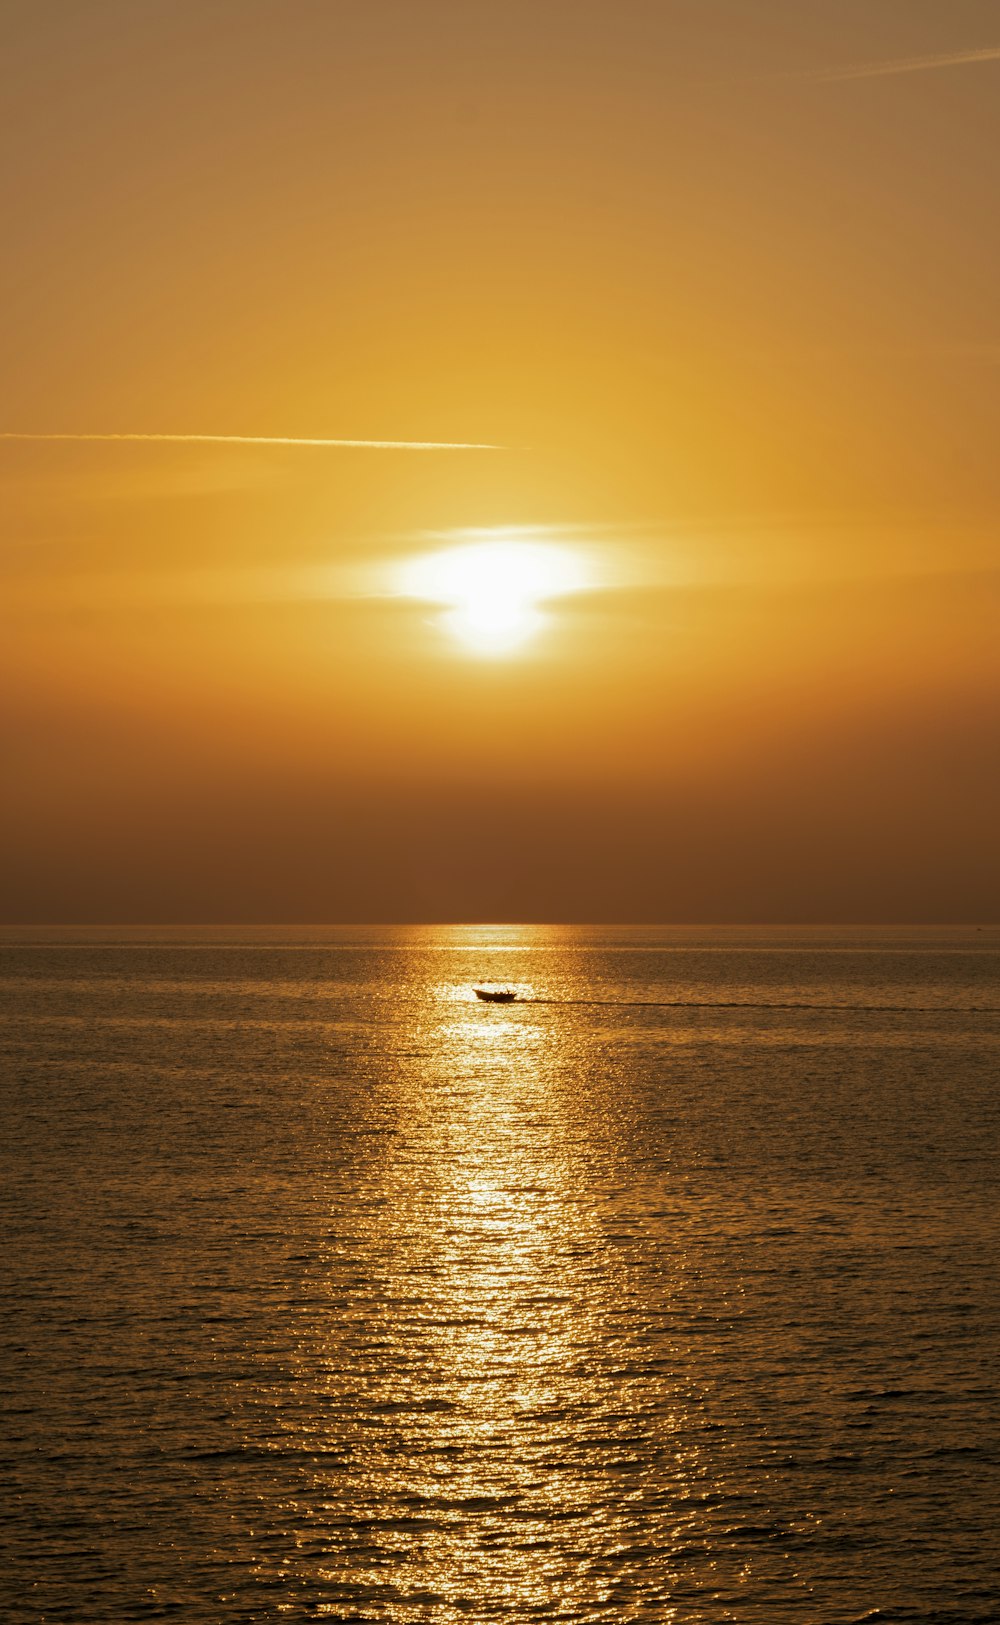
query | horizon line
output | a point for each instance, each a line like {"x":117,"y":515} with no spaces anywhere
{"x":497,"y":925}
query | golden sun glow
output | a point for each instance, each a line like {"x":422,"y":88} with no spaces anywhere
{"x":494,"y":590}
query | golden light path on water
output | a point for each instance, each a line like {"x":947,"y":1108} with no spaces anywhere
{"x":657,"y":1295}
{"x":498,"y":1377}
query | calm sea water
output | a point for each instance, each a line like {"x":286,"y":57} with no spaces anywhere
{"x":668,"y":1293}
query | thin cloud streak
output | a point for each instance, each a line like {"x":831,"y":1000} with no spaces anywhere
{"x":263,"y":440}
{"x":903,"y":64}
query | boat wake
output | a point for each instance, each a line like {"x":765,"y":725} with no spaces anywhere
{"x":775,"y":1004}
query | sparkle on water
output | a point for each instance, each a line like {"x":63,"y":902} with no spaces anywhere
{"x":667,"y":1293}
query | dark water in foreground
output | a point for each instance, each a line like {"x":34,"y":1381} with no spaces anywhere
{"x":331,"y":1294}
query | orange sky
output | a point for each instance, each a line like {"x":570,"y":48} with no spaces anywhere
{"x":718,"y":280}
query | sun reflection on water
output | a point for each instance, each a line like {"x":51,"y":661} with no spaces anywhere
{"x":501,"y":1396}
{"x":347,"y":1296}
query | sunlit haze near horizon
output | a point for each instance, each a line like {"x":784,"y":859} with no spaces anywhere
{"x":500,"y":462}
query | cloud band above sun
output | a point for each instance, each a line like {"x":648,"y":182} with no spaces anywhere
{"x":263,"y":440}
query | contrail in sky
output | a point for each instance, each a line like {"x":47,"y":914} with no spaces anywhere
{"x":905,"y":64}
{"x":264,"y":440}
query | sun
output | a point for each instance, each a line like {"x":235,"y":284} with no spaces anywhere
{"x":494,"y":590}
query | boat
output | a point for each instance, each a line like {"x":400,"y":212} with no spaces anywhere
{"x":490,"y":995}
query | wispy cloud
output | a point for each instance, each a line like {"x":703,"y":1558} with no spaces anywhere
{"x":903,"y":64}
{"x":263,"y":440}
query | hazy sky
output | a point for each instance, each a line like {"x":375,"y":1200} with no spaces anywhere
{"x":715,"y":280}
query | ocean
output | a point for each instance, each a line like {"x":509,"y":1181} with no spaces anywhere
{"x":667,"y":1293}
